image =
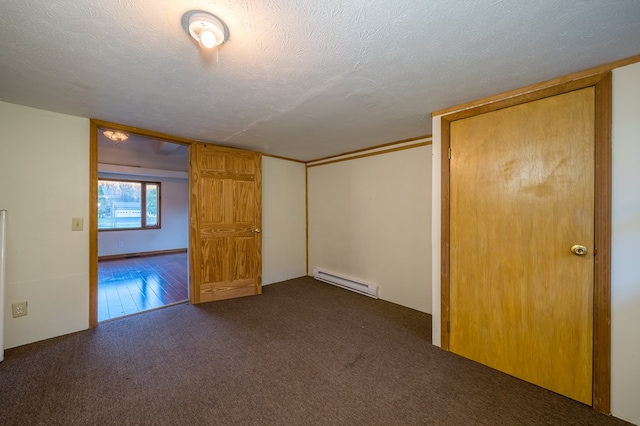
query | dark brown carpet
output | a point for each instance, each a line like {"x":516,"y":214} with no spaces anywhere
{"x":303,"y":353}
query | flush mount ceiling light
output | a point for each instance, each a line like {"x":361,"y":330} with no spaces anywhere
{"x":207,"y":29}
{"x":116,"y":136}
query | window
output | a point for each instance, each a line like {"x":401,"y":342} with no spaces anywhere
{"x":129,"y":205}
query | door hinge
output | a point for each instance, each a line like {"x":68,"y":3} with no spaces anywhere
{"x":449,"y":153}
{"x":595,"y":250}
{"x":448,"y":327}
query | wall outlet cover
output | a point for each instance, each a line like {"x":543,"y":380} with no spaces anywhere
{"x":19,"y":309}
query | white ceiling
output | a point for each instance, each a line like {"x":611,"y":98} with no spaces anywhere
{"x":141,"y":151}
{"x":302,"y":79}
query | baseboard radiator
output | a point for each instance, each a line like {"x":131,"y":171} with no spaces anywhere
{"x":348,"y":283}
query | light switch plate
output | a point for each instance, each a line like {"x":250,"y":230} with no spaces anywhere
{"x":77,"y":224}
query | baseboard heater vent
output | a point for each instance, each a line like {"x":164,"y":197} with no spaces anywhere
{"x":348,"y":283}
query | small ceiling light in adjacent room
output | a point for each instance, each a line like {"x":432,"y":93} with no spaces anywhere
{"x":116,"y":136}
{"x":208,"y":30}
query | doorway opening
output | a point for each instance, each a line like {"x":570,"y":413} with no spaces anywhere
{"x":141,"y":223}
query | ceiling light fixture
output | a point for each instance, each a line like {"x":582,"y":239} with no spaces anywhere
{"x":116,"y":136}
{"x":207,"y":29}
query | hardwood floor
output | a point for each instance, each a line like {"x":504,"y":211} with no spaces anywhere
{"x":129,"y":286}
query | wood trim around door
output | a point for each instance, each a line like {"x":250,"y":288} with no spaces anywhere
{"x":603,"y":167}
{"x":93,"y":224}
{"x":602,"y":273}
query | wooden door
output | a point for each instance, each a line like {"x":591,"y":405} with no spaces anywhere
{"x":225,"y":216}
{"x":521,"y":195}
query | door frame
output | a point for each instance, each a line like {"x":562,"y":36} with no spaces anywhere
{"x":602,"y":82}
{"x":94,"y":126}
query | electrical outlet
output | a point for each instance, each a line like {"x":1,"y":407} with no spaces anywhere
{"x":120,"y":243}
{"x":76,"y":224}
{"x":19,"y":309}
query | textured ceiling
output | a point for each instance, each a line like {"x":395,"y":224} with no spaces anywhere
{"x":299,"y":78}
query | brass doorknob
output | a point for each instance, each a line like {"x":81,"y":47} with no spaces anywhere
{"x":578,"y":250}
{"x":257,"y":231}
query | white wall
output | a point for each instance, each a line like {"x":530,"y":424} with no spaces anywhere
{"x":44,"y":182}
{"x":625,"y":339}
{"x":625,"y":350}
{"x":174,"y":221}
{"x":370,"y":219}
{"x":283,"y":220}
